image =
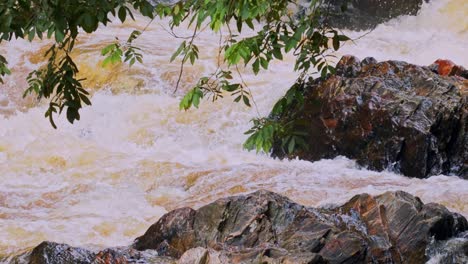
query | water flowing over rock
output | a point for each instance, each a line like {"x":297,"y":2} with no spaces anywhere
{"x":367,"y":14}
{"x":388,"y":115}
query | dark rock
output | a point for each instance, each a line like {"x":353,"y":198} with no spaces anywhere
{"x":264,"y":227}
{"x":54,"y":253}
{"x":172,"y":235}
{"x":367,"y":14}
{"x":387,"y":115}
{"x":405,"y":222}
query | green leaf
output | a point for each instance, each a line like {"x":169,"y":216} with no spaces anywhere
{"x":343,"y":38}
{"x":336,"y":43}
{"x":89,"y":22}
{"x":122,"y":13}
{"x":278,"y":54}
{"x":59,"y":36}
{"x":246,"y":101}
{"x":85,"y":99}
{"x":178,"y":51}
{"x":264,"y":63}
{"x":291,"y":145}
{"x":256,"y":66}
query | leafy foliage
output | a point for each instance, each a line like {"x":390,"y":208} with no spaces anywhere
{"x":63,"y":20}
{"x":57,"y":80}
{"x":269,"y":131}
{"x":130,"y":53}
{"x":306,"y":37}
{"x":277,"y":33}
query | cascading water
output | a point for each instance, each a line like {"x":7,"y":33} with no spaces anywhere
{"x":104,"y":180}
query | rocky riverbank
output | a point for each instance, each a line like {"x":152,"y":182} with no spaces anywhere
{"x":388,"y":115}
{"x":264,"y":227}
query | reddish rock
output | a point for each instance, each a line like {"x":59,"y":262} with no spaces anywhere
{"x":449,"y":68}
{"x":109,"y":256}
{"x":388,"y":115}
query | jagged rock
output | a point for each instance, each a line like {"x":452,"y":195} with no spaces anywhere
{"x":264,"y":227}
{"x":405,"y":222}
{"x":386,"y":115}
{"x":367,"y":14}
{"x":54,"y":253}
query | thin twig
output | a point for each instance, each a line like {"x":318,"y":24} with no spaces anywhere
{"x":250,"y":91}
{"x":147,"y":25}
{"x":183,"y":60}
{"x":172,"y":33}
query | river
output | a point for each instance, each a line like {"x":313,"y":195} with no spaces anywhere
{"x":134,"y":156}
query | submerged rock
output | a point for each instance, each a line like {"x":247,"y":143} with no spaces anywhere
{"x":264,"y":227}
{"x":387,"y":115}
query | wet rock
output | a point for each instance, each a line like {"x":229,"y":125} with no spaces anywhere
{"x":386,"y":115}
{"x":405,"y":222}
{"x":264,"y":227}
{"x":449,"y":68}
{"x":172,"y":235}
{"x":452,"y":251}
{"x":201,"y":255}
{"x":54,"y":253}
{"x":367,"y":14}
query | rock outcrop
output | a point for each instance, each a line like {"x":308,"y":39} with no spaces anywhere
{"x":367,"y":14}
{"x":388,"y":115}
{"x":264,"y":227}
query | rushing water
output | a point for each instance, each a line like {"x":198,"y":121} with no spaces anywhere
{"x":134,"y":155}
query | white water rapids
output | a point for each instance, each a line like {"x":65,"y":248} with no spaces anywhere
{"x":134,"y":156}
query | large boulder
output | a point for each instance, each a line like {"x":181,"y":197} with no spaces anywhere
{"x":367,"y":14}
{"x":387,"y":115}
{"x":264,"y":227}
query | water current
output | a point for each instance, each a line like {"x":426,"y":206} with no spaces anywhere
{"x":134,"y":156}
